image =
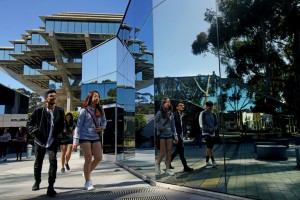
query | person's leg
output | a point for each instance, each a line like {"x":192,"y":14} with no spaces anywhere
{"x":17,"y":146}
{"x":162,"y":151}
{"x":68,"y":155}
{"x":169,"y":143}
{"x":38,"y":164}
{"x":97,"y":152}
{"x":87,"y":153}
{"x":5,"y":145}
{"x":168,"y":159}
{"x":63,"y":149}
{"x":175,"y":153}
{"x":21,"y":150}
{"x":52,"y":153}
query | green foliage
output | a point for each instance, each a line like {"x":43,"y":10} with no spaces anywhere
{"x":140,"y":121}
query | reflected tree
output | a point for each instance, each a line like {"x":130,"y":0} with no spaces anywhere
{"x":259,"y":44}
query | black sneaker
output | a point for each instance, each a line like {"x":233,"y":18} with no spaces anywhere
{"x":62,"y":170}
{"x":188,"y":169}
{"x":36,"y":186}
{"x":51,"y":192}
{"x":67,"y":166}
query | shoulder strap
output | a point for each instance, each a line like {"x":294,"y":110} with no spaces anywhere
{"x":92,"y":117}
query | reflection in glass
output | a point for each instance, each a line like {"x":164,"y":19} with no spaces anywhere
{"x":136,"y":33}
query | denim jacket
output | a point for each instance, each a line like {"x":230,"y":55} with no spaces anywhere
{"x":85,"y":127}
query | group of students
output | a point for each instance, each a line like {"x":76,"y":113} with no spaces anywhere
{"x":171,"y":128}
{"x":19,"y":140}
{"x":50,"y":128}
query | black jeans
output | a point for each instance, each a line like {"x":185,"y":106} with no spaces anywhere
{"x":19,"y":149}
{"x":39,"y":158}
{"x":179,"y":150}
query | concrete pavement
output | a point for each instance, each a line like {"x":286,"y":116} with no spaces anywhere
{"x":110,"y":181}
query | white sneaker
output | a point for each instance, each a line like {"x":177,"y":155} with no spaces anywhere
{"x":88,"y":186}
{"x":157,"y":169}
{"x":169,"y":172}
{"x":209,"y":164}
{"x":214,"y":164}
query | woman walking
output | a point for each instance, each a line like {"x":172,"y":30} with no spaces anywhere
{"x":20,"y":140}
{"x":66,"y":142}
{"x":165,"y":125}
{"x":90,"y":124}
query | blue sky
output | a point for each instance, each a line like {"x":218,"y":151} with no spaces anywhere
{"x":176,"y":25}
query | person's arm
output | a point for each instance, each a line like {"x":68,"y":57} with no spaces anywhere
{"x":157,"y":120}
{"x":78,"y":127}
{"x":32,"y":122}
{"x":202,"y":123}
{"x":103,"y":120}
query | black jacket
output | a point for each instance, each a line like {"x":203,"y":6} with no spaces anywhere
{"x":38,"y":124}
{"x":180,"y":129}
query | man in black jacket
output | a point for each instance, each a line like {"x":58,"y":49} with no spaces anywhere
{"x":45,"y":124}
{"x":180,"y":124}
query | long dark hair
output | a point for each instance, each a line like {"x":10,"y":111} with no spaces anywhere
{"x":71,"y":120}
{"x":88,"y":100}
{"x":163,"y":110}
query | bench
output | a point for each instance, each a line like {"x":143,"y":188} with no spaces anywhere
{"x":262,"y":143}
{"x":271,"y":152}
{"x":281,"y":141}
{"x":297,"y":151}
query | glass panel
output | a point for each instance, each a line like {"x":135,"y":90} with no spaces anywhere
{"x":49,"y":26}
{"x":35,"y":38}
{"x":136,"y":33}
{"x":98,"y":27}
{"x":85,"y":27}
{"x":104,"y":27}
{"x":64,"y":26}
{"x":18,"y":48}
{"x":191,"y":80}
{"x":92,"y":27}
{"x":77,"y":27}
{"x":57,"y":26}
{"x":71,"y":27}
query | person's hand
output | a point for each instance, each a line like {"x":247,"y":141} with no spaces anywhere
{"x":74,"y":148}
{"x":98,"y":129}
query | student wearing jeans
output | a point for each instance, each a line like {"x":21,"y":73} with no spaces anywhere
{"x":90,"y":124}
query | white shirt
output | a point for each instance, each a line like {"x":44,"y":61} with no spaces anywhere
{"x":50,"y":138}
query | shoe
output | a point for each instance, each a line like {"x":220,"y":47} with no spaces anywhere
{"x":51,"y":192}
{"x":169,"y":172}
{"x":214,"y":164}
{"x":36,"y":186}
{"x":4,"y":159}
{"x":157,"y":169}
{"x":171,"y":167}
{"x":62,"y":170}
{"x":208,"y":164}
{"x":67,"y":166}
{"x":188,"y":169}
{"x":88,"y":185}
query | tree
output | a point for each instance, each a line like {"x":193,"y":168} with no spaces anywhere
{"x":259,"y":43}
{"x":35,"y":99}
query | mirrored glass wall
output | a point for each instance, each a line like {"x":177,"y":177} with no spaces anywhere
{"x":136,"y":33}
{"x":246,"y":64}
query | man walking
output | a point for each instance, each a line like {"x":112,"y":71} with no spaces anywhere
{"x":209,"y":125}
{"x":45,"y":124}
{"x":180,"y":124}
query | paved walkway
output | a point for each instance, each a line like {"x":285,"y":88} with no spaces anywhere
{"x":110,"y":182}
{"x":245,"y":175}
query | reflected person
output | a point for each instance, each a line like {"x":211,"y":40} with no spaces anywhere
{"x":181,"y":129}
